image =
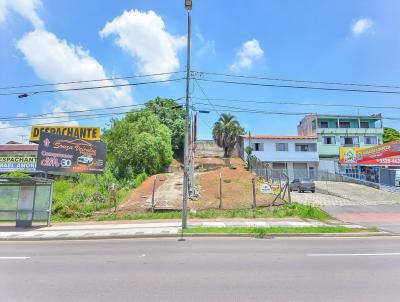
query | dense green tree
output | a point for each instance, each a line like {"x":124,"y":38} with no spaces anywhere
{"x":172,"y":115}
{"x":226,"y":132}
{"x":138,"y":143}
{"x":390,"y":134}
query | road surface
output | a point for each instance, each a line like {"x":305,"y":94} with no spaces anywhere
{"x":314,"y":269}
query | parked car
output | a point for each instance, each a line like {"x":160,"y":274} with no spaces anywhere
{"x":302,"y":185}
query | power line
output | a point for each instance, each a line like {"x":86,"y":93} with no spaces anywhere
{"x":46,"y":115}
{"x":90,"y":88}
{"x":246,"y":110}
{"x":294,"y":80}
{"x":90,"y":81}
{"x":56,"y":122}
{"x":205,"y":95}
{"x":298,"y":87}
{"x":295,"y":103}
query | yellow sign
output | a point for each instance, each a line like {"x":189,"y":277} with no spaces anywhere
{"x":88,"y":133}
{"x":349,"y":155}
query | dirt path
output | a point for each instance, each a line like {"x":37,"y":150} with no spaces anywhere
{"x":168,"y":194}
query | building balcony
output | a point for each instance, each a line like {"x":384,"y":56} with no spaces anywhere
{"x":351,"y":131}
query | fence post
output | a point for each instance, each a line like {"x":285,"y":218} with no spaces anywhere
{"x":220,"y":191}
{"x":288,"y":186}
{"x":254,"y":195}
{"x":153,"y":193}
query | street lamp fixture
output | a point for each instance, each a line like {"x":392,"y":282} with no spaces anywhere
{"x":188,"y":5}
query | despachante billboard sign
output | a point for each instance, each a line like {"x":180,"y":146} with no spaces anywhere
{"x":68,"y":154}
{"x":86,"y":133}
{"x":17,"y":163}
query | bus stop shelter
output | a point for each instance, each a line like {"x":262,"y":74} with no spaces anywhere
{"x":26,"y":200}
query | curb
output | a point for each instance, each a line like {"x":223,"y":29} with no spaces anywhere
{"x":211,"y":235}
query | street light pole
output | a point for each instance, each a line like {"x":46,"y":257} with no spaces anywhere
{"x":188,"y":6}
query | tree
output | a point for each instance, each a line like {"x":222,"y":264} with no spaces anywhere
{"x":390,"y":134}
{"x":138,"y":143}
{"x":172,"y":115}
{"x":226,"y":133}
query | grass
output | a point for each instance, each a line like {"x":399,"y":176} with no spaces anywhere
{"x":78,"y":200}
{"x":261,"y":231}
{"x":293,"y":210}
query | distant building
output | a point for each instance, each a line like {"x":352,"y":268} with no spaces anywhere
{"x":335,"y":131}
{"x":295,"y":155}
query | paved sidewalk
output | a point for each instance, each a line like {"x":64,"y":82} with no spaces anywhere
{"x":137,"y":229}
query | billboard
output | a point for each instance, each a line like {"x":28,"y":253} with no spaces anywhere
{"x":17,"y":163}
{"x":68,"y":154}
{"x":86,"y":133}
{"x":386,"y":154}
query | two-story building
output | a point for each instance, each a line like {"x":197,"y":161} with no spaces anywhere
{"x":335,"y":131}
{"x":296,"y":155}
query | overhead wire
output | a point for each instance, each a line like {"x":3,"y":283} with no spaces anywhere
{"x":293,"y":80}
{"x":90,"y":87}
{"x":48,"y":114}
{"x":295,"y":103}
{"x":298,"y":87}
{"x":95,"y":80}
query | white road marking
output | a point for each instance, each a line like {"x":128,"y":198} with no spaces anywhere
{"x":14,"y":258}
{"x":367,"y":254}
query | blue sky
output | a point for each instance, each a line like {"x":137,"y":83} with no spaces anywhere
{"x":54,"y":41}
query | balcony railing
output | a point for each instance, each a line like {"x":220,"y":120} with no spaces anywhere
{"x":359,"y":131}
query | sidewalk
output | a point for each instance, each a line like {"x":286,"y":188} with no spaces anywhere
{"x":137,"y":229}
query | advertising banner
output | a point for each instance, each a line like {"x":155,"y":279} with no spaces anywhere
{"x":86,"y":133}
{"x":68,"y":154}
{"x":386,"y":154}
{"x":270,"y":188}
{"x":381,"y":151}
{"x":17,"y":163}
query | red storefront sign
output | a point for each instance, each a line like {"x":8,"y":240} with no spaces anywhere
{"x":382,"y":155}
{"x":382,"y":151}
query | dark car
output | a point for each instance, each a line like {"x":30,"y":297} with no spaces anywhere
{"x":302,"y":185}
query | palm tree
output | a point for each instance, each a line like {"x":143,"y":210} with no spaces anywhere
{"x":226,"y":132}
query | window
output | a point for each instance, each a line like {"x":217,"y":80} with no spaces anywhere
{"x":306,"y":147}
{"x":323,"y":124}
{"x":343,"y":125}
{"x":350,"y":141}
{"x":370,"y":140}
{"x":257,"y":146}
{"x":282,"y":147}
{"x":329,"y":140}
{"x":364,"y":125}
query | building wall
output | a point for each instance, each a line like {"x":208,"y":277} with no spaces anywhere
{"x":310,"y":126}
{"x":269,"y":154}
{"x":208,"y":148}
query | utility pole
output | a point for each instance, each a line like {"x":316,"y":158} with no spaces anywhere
{"x":188,"y":7}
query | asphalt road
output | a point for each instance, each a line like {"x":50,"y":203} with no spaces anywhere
{"x":329,"y":269}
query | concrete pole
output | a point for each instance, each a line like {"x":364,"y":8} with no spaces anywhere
{"x":186,"y":145}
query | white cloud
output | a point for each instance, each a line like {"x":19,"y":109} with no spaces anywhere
{"x":26,"y":8}
{"x":10,"y":132}
{"x":55,"y":60}
{"x":361,"y":26}
{"x":206,"y":46}
{"x":143,"y":35}
{"x":249,"y":52}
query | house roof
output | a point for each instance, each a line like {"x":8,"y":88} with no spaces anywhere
{"x":18,"y":147}
{"x":373,"y":116}
{"x":278,"y":137}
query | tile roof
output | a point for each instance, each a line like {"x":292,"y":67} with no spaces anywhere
{"x":18,"y":147}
